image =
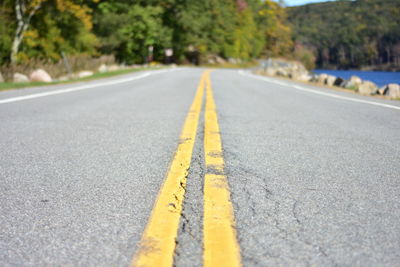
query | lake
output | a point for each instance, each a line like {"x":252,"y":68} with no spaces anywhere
{"x":381,"y":78}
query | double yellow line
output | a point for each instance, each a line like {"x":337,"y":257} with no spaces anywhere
{"x":156,"y":248}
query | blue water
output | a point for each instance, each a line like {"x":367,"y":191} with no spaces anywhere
{"x":381,"y":78}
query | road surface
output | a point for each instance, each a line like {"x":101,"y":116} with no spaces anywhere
{"x":97,"y":173}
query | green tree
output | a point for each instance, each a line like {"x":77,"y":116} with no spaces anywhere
{"x":43,"y":28}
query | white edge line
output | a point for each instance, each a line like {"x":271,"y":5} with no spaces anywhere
{"x":79,"y":88}
{"x":241,"y":72}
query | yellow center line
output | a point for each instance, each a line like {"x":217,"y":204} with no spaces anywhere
{"x":220,"y":244}
{"x":157,"y":245}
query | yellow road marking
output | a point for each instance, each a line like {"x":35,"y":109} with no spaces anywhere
{"x":220,"y":245}
{"x":157,"y":245}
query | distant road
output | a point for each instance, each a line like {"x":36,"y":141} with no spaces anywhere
{"x":280,"y":173}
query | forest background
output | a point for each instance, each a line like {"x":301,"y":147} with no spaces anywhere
{"x":341,"y":34}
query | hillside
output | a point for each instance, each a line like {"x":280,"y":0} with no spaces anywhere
{"x":350,"y":34}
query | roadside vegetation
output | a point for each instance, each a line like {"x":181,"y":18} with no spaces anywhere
{"x":137,"y":32}
{"x":70,"y":39}
{"x":12,"y":85}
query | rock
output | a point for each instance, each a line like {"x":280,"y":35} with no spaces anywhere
{"x":304,"y":78}
{"x":296,"y":71}
{"x":211,"y":61}
{"x":63,"y":78}
{"x":355,"y":80}
{"x":270,"y":71}
{"x":314,"y":78}
{"x":392,"y":90}
{"x":282,"y":72}
{"x":233,"y":60}
{"x":40,"y":75}
{"x":85,"y":73}
{"x":367,"y":88}
{"x":381,"y":91}
{"x":339,"y":82}
{"x":277,"y":67}
{"x":330,"y":80}
{"x":220,"y":60}
{"x":113,"y":68}
{"x":103,"y":68}
{"x":259,"y":72}
{"x":1,"y":78}
{"x":353,"y":83}
{"x":322,"y":78}
{"x":20,"y":78}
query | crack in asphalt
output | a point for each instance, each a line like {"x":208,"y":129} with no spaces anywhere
{"x":274,"y":210}
{"x":189,"y":242}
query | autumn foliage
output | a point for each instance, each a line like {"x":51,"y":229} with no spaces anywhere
{"x":131,"y":30}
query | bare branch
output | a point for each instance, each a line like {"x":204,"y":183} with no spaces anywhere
{"x":33,"y":11}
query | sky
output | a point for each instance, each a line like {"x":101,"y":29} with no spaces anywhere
{"x":302,"y":2}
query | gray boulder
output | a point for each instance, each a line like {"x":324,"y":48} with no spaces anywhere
{"x":304,"y":78}
{"x":270,"y":71}
{"x":220,"y":60}
{"x":113,"y":68}
{"x":355,"y":80}
{"x":20,"y":78}
{"x":353,"y":83}
{"x":367,"y":88}
{"x":289,"y":69}
{"x":314,"y":78}
{"x":339,"y":82}
{"x":330,"y":80}
{"x":40,"y":75}
{"x":381,"y":91}
{"x":282,"y":72}
{"x":85,"y":73}
{"x":103,"y":68}
{"x":64,"y":78}
{"x":392,"y":90}
{"x":322,"y":78}
{"x":210,"y":61}
{"x":233,"y":60}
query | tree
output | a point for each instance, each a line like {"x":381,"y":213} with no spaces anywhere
{"x":144,"y":30}
{"x":45,"y":28}
{"x":348,"y":34}
{"x":278,"y":34}
{"x":24,"y":13}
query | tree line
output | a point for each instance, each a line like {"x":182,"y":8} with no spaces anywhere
{"x":350,"y":34}
{"x":136,"y":31}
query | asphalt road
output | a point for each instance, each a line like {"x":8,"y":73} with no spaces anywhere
{"x":314,"y":174}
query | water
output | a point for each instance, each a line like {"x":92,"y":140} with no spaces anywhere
{"x":381,"y":78}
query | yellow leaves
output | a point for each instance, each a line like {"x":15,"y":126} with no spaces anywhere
{"x":22,"y":57}
{"x":277,"y":32}
{"x":34,"y":3}
{"x":31,"y":37}
{"x":80,"y":12}
{"x":202,"y":48}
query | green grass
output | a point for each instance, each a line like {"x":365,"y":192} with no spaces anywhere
{"x":98,"y":75}
{"x":352,"y":88}
{"x":228,"y":65}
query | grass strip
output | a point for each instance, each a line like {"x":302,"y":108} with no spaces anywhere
{"x":10,"y":85}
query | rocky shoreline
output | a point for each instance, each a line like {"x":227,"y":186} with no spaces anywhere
{"x":296,"y":71}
